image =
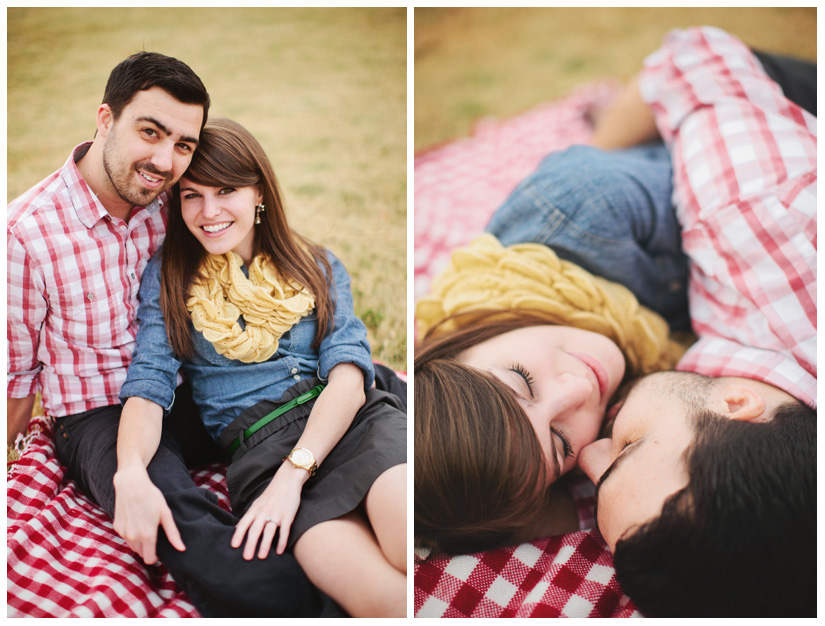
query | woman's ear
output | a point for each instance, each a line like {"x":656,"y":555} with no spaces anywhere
{"x":742,"y":402}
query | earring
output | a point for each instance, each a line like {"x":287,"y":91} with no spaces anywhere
{"x":258,"y":210}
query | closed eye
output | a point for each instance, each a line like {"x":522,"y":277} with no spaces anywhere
{"x":565,"y":442}
{"x":528,"y":379}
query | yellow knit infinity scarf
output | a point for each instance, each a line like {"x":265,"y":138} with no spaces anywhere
{"x":270,"y":306}
{"x":485,"y":275}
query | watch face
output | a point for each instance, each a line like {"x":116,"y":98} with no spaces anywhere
{"x":301,"y":457}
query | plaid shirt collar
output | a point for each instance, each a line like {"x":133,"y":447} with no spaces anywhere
{"x":88,"y":208}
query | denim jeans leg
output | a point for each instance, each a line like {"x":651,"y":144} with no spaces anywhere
{"x":610,"y":213}
{"x":219,"y":582}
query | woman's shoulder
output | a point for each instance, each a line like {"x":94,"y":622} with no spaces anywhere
{"x":335,"y":264}
{"x":150,"y":277}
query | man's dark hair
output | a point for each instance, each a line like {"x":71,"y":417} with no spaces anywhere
{"x":740,"y":539}
{"x":145,"y":70}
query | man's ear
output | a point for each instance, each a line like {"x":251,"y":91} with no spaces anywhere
{"x":105,"y":118}
{"x":743,"y":402}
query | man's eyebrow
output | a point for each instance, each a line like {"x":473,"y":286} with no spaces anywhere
{"x":165,"y":130}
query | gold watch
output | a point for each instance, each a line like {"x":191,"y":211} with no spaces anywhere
{"x":303,"y":459}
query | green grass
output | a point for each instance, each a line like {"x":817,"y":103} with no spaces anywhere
{"x":474,"y":62}
{"x":323,"y":90}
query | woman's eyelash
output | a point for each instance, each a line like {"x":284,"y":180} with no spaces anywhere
{"x":565,"y":442}
{"x":528,"y":379}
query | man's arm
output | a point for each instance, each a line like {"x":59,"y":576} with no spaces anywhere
{"x":628,"y":122}
{"x":18,"y":414}
{"x":26,"y":309}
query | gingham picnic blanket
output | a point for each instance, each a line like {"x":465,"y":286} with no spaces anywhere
{"x":457,"y":188}
{"x":64,"y":558}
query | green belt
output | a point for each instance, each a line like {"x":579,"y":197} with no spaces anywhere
{"x":305,"y":397}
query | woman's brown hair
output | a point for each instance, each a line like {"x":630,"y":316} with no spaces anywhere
{"x":480,"y":477}
{"x":229,"y":156}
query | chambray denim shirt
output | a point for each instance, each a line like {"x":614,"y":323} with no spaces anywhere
{"x":223,"y":388}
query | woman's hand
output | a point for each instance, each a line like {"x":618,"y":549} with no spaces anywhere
{"x":274,"y":510}
{"x":140,"y":508}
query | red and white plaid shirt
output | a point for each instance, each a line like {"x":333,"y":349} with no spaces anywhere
{"x":744,"y":167}
{"x":73,"y":276}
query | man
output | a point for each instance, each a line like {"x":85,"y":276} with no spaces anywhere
{"x":77,"y":245}
{"x":706,"y":487}
{"x":729,"y":448}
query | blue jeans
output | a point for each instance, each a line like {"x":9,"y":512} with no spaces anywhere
{"x":218,"y":581}
{"x":610,"y":213}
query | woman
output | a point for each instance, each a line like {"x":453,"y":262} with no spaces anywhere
{"x":246,"y":307}
{"x":522,"y":355}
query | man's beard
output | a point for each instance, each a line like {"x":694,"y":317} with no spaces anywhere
{"x":119,"y":177}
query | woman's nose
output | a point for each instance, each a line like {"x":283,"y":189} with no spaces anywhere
{"x":210,"y":207}
{"x":595,"y":458}
{"x":572,"y":391}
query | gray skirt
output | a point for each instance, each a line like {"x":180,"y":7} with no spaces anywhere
{"x":375,"y":442}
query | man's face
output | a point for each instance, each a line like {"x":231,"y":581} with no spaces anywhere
{"x":148,"y":148}
{"x":642,"y":463}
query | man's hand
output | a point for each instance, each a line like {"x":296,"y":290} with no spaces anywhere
{"x":140,"y":508}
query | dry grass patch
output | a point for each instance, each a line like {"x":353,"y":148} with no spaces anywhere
{"x":472,"y":62}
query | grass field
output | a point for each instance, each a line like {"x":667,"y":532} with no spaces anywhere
{"x":474,"y":62}
{"x":323,"y":90}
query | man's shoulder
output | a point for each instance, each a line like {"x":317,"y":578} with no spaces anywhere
{"x":42,"y":202}
{"x":48,"y":193}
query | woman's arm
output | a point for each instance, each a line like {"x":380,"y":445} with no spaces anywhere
{"x":330,"y":418}
{"x":140,"y":507}
{"x":628,"y":122}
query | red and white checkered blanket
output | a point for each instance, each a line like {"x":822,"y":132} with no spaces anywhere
{"x":457,"y":188}
{"x":64,"y":558}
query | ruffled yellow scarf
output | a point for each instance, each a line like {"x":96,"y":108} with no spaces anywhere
{"x":270,"y":306}
{"x":485,"y":275}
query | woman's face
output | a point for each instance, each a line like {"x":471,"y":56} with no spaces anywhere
{"x":222,"y":218}
{"x":563,"y":378}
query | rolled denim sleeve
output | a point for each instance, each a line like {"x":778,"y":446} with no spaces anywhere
{"x":153,"y":372}
{"x":347,"y":343}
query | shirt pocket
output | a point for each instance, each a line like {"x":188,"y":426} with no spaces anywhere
{"x":298,"y":339}
{"x":87,"y":320}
